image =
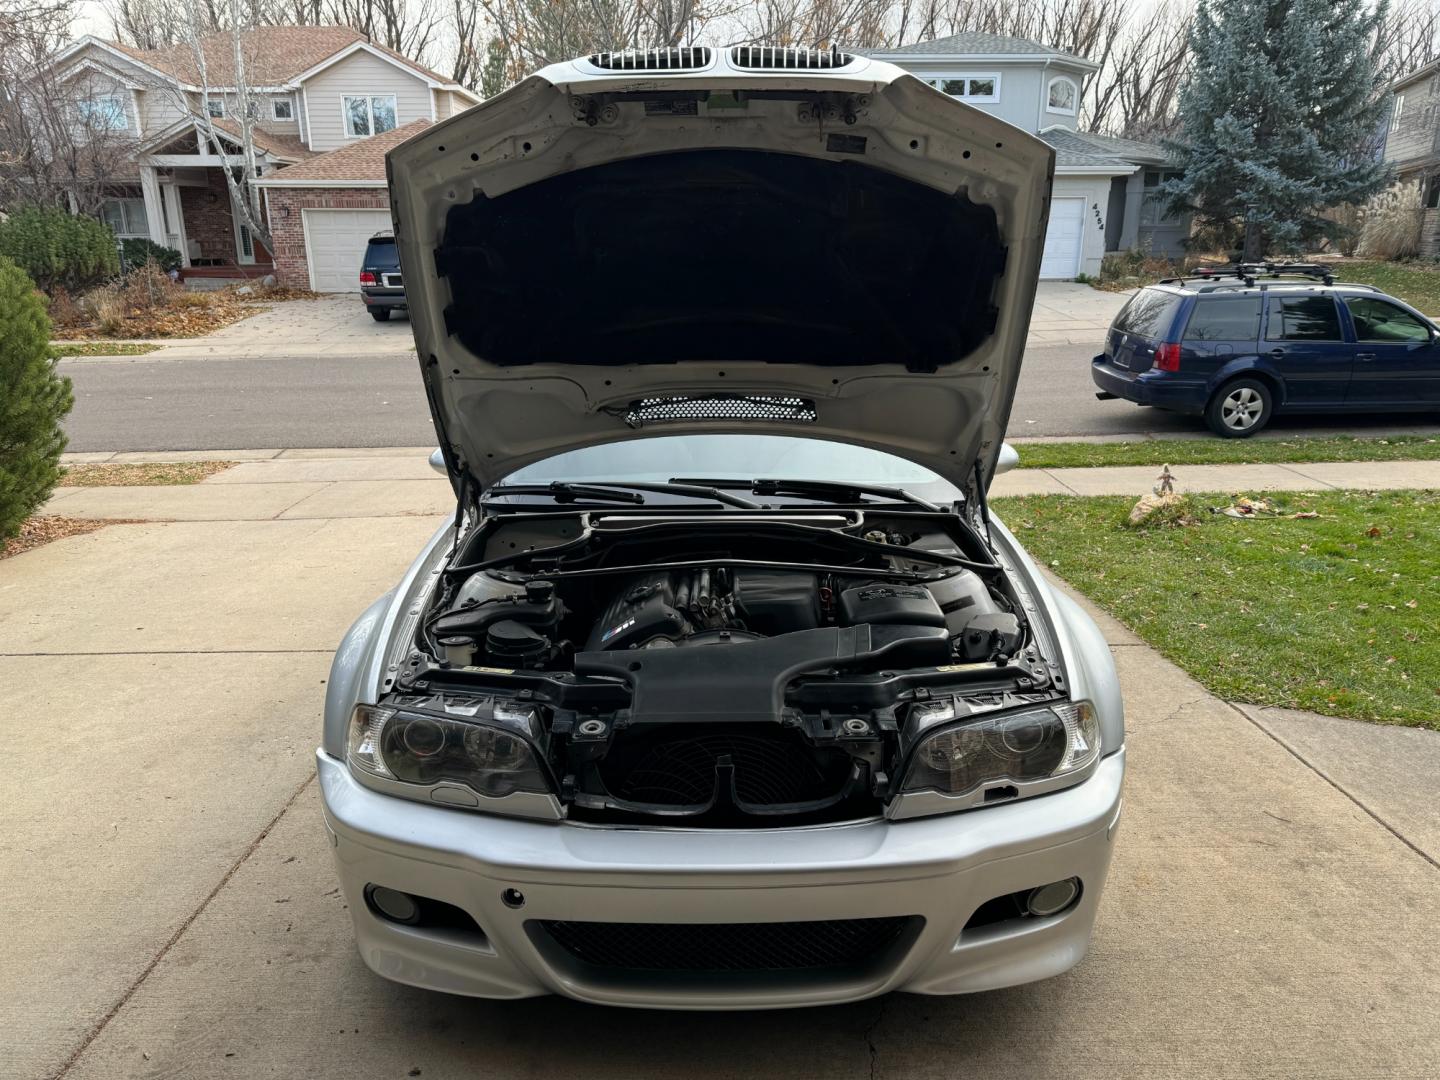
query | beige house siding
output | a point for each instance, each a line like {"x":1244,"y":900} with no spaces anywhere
{"x":1416,"y":132}
{"x":360,"y":73}
{"x":442,"y":104}
{"x":159,"y":108}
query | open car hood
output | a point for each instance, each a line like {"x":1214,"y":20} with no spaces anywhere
{"x":830,"y":249}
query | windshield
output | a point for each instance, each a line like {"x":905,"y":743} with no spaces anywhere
{"x":736,"y":457}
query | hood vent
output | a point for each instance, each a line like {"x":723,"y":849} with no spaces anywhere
{"x":773,"y":58}
{"x":682,"y":59}
{"x":697,"y":407}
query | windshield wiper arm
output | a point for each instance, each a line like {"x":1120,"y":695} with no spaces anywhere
{"x":818,"y":489}
{"x":622,"y":491}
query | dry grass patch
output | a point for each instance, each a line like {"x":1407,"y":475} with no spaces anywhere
{"x":144,"y":474}
{"x":39,"y":531}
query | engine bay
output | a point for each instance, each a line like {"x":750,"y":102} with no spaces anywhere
{"x":730,"y":669}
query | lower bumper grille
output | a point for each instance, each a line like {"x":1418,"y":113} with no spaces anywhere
{"x":716,"y":947}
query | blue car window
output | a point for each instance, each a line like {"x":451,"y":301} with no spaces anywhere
{"x":1224,"y":318}
{"x":1303,"y":318}
{"x":1148,"y":313}
{"x":1380,"y":320}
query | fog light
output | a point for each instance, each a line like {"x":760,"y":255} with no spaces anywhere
{"x":395,"y":905}
{"x":1053,"y":898}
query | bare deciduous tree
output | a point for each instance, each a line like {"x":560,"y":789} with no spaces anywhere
{"x":65,"y":137}
{"x":239,"y":169}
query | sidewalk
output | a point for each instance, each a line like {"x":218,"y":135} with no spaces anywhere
{"x":398,"y":482}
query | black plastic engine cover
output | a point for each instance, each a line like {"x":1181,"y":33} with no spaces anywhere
{"x":745,"y":682}
{"x":644,"y":609}
{"x":886,"y":604}
{"x":777,"y":601}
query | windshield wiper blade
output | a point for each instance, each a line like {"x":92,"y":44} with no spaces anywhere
{"x":622,"y":491}
{"x":563,"y":492}
{"x":831,"y":490}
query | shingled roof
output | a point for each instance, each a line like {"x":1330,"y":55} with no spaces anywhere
{"x":273,"y":55}
{"x":973,"y":43}
{"x":362,"y":162}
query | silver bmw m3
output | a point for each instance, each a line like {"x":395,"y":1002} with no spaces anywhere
{"x":724,"y":688}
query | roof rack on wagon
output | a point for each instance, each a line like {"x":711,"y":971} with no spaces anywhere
{"x":1263,"y":274}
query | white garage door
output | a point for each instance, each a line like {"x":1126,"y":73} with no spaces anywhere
{"x":335,"y":245}
{"x":1062,"y":239}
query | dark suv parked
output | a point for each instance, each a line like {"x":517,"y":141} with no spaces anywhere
{"x":1237,"y":352}
{"x":380,"y":284}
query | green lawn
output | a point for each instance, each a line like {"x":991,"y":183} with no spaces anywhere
{"x":100,"y":348}
{"x":1070,"y":455}
{"x":1417,"y":283}
{"x":1339,"y":614}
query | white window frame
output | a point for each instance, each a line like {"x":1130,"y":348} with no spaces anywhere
{"x":1050,"y":89}
{"x":275,"y":104}
{"x":1395,"y":112}
{"x":213,"y":100}
{"x":91,"y":111}
{"x":369,"y":100}
{"x":128,"y":205}
{"x":938,"y":81}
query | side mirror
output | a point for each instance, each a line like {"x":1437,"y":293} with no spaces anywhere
{"x":1008,"y":459}
{"x":437,"y":462}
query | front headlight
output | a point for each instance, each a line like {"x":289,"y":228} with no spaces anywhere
{"x":1034,"y":744}
{"x":491,"y":754}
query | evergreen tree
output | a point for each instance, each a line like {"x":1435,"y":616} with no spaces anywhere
{"x":1281,"y":118}
{"x":33,"y":400}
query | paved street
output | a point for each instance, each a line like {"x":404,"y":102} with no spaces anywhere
{"x":1271,"y":910}
{"x":138,"y":403}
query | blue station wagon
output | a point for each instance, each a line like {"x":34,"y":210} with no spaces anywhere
{"x":1237,"y":353}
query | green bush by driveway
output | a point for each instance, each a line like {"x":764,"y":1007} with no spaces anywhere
{"x":1338,"y":613}
{"x":33,"y":400}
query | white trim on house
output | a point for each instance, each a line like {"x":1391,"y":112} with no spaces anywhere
{"x":285,"y":99}
{"x":1097,"y":170}
{"x":262,"y":183}
{"x":215,"y":99}
{"x":939,"y":79}
{"x":105,"y":46}
{"x":305,"y":108}
{"x":370,"y":112}
{"x":103,"y":69}
{"x":365,"y":46}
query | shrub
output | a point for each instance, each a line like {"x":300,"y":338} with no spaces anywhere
{"x":139,"y":251}
{"x":148,"y":287}
{"x":106,"y":308}
{"x":1392,"y":224}
{"x":56,"y":248}
{"x":36,"y":399}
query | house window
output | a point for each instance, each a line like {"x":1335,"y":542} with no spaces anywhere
{"x":1395,"y":112}
{"x":1152,"y":206}
{"x":215,"y":108}
{"x":282,"y":108}
{"x":369,"y":115}
{"x":126,"y":217}
{"x":104,"y":113}
{"x":969,"y":87}
{"x":1062,"y":96}
{"x":1432,"y":192}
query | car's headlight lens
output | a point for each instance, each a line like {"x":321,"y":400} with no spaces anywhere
{"x":1033,"y":744}
{"x":492,"y":755}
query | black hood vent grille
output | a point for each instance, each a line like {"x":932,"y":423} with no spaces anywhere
{"x":776,"y":58}
{"x":692,"y":407}
{"x":679,"y":59}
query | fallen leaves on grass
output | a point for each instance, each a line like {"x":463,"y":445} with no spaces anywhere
{"x":146,"y":474}
{"x":38,"y":531}
{"x":102,"y":348}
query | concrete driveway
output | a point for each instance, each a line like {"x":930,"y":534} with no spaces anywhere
{"x":170,"y":908}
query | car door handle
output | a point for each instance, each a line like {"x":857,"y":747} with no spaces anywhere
{"x":1276,"y":354}
{"x":1364,"y":357}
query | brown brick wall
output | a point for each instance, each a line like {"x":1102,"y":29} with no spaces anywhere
{"x":209,"y":220}
{"x":289,"y":234}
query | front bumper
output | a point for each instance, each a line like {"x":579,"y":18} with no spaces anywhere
{"x":940,"y":869}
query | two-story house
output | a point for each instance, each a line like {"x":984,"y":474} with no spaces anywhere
{"x":325,"y":104}
{"x":1412,"y":143}
{"x":1105,"y":188}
